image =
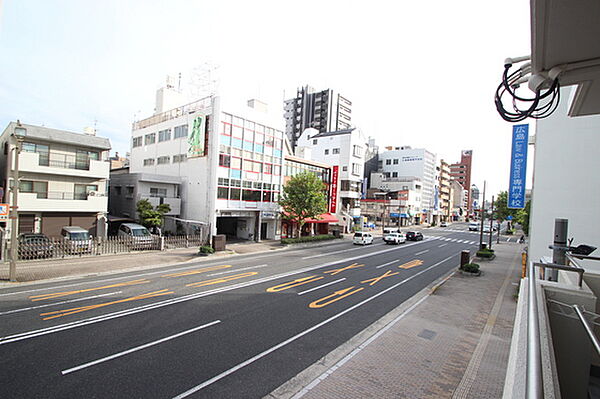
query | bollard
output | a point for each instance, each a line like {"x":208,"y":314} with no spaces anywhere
{"x":465,"y":256}
{"x":524,"y":264}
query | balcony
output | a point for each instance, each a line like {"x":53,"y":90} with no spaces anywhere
{"x":54,"y":201}
{"x":173,"y":202}
{"x":63,"y":165}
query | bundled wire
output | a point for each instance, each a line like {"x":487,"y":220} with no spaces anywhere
{"x":541,"y":106}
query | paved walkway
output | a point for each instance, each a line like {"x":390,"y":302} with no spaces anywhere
{"x":449,"y":342}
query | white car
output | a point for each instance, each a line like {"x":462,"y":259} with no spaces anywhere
{"x":394,"y":238}
{"x":474,"y":226}
{"x":443,"y":224}
{"x":362,"y":238}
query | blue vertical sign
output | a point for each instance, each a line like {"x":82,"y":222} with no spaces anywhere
{"x":518,"y":167}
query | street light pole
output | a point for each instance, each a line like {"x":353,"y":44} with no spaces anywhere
{"x":482,"y":215}
{"x":14,"y":211}
{"x":491,"y":224}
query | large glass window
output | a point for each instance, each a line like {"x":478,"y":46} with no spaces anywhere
{"x":251,"y":195}
{"x":222,"y":193}
{"x":164,"y":135}
{"x":224,"y":160}
{"x":235,"y":194}
{"x":41,"y":149}
{"x":137,"y":142}
{"x":38,"y":187}
{"x":180,"y":131}
{"x":82,"y":190}
{"x":163,"y":160}
{"x":150,"y":138}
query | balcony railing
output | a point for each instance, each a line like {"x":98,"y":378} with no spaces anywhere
{"x":63,"y":161}
{"x":60,"y":195}
{"x":173,"y":113}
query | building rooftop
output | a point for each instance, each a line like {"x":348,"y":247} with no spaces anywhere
{"x":336,"y":133}
{"x":62,"y":136}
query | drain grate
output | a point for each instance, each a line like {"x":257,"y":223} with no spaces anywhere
{"x":427,"y":334}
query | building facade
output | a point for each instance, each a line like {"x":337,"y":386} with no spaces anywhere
{"x":445,"y":191}
{"x":326,"y":111}
{"x":63,"y":178}
{"x":461,"y":172}
{"x":229,"y":158}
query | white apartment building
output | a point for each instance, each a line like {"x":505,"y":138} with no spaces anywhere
{"x":399,"y":162}
{"x":63,"y":178}
{"x":344,"y":150}
{"x":228,"y":157}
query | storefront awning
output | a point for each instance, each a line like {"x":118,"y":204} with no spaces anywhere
{"x":323,"y":218}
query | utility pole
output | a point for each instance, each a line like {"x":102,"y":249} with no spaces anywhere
{"x":491,"y":224}
{"x":14,"y":212}
{"x":482,"y":215}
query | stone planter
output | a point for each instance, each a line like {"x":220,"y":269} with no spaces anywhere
{"x":469,"y":274}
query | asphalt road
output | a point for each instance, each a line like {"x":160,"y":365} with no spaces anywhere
{"x":239,"y":327}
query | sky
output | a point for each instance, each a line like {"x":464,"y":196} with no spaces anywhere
{"x":419,"y":73}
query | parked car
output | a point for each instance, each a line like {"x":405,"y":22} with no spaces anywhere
{"x":473,"y":226}
{"x":77,"y":240}
{"x":394,"y":238}
{"x":486,"y":228}
{"x":363,"y":238}
{"x":34,"y":245}
{"x":139,"y":235}
{"x":390,"y":230}
{"x":414,"y":236}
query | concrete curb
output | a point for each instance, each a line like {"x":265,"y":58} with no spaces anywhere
{"x":323,"y":365}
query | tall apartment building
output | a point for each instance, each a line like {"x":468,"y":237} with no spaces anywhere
{"x":445,"y":191}
{"x":405,"y":163}
{"x":63,"y":178}
{"x":461,"y":172}
{"x":326,"y":111}
{"x":229,"y":157}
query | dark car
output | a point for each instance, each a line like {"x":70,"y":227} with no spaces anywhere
{"x":35,"y":245}
{"x":413,"y":236}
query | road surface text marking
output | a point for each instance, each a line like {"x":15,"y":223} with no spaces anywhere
{"x":137,"y":348}
{"x":238,"y":270}
{"x":337,"y":271}
{"x":66,"y":312}
{"x":336,"y":296}
{"x":412,"y":263}
{"x":67,"y":293}
{"x":375,"y":280}
{"x":197,"y":271}
{"x":293,"y":283}
{"x":321,"y":286}
{"x":221,"y":279}
{"x":87,"y":298}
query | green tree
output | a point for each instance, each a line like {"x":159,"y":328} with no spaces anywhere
{"x":150,"y":216}
{"x":303,"y":197}
{"x":523,"y":217}
{"x":501,"y":207}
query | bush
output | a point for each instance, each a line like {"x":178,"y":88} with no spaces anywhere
{"x":510,"y":232}
{"x":308,"y":239}
{"x":485,"y":253}
{"x":471,"y":268}
{"x":206,"y":249}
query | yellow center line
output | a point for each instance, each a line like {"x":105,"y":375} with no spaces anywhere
{"x":377,"y":279}
{"x":66,"y":293}
{"x":197,"y":271}
{"x":221,"y":279}
{"x":341,"y":294}
{"x":66,"y":312}
{"x":337,"y":271}
{"x":295,"y":283}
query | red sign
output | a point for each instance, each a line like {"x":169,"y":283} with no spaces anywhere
{"x":334,"y":189}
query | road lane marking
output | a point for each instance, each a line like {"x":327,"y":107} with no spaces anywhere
{"x":137,"y":348}
{"x":237,"y":270}
{"x":337,"y":271}
{"x":221,"y":279}
{"x":66,"y":293}
{"x":421,"y":252}
{"x":172,"y":301}
{"x":321,"y":286}
{"x":197,"y":271}
{"x":67,"y":312}
{"x":377,"y":279}
{"x":59,"y":303}
{"x":411,"y":264}
{"x":336,"y":296}
{"x":341,"y":251}
{"x":294,"y":283}
{"x":443,"y":245}
{"x":385,"y":264}
{"x":301,"y":334}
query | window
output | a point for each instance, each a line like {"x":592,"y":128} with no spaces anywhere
{"x":129,"y":191}
{"x":335,"y":151}
{"x":148,"y":161}
{"x":395,"y":161}
{"x":315,"y":141}
{"x":394,"y":174}
{"x":150,"y":138}
{"x":41,"y":149}
{"x":163,"y":160}
{"x":251,"y":195}
{"x":388,"y":161}
{"x":38,"y":187}
{"x":82,"y":191}
{"x":236,"y":163}
{"x":268,"y":168}
{"x":158,"y":192}
{"x":181,"y":131}
{"x":117,"y":190}
{"x":224,"y":160}
{"x":357,"y":151}
{"x":326,"y":152}
{"x":164,"y":135}
{"x":222,"y":193}
{"x":356,"y":169}
{"x":137,"y":142}
{"x":344,"y":168}
{"x":179,"y":158}
{"x":276,"y":170}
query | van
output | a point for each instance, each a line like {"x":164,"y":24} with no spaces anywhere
{"x":390,"y":230}
{"x":76,"y":239}
{"x":362,"y":238}
{"x":140,"y":236}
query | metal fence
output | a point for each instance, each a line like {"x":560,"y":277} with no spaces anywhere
{"x":52,"y":248}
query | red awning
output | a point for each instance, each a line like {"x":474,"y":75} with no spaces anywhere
{"x":323,"y":218}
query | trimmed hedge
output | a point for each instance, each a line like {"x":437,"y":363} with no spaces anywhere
{"x":206,"y":249}
{"x":299,"y":240}
{"x":485,"y":253}
{"x":470,"y":268}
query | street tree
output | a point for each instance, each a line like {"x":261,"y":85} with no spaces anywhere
{"x":502,"y":209}
{"x":303,"y":197}
{"x":151,"y":216}
{"x":522,"y":217}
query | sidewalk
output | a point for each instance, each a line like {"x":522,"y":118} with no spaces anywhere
{"x":449,"y":342}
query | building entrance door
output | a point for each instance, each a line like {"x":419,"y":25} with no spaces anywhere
{"x":263,"y":230}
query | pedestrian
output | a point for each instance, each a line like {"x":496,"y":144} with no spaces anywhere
{"x":522,"y":239}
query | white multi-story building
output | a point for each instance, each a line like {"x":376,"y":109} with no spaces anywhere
{"x":229,"y":158}
{"x":62,"y":178}
{"x":344,"y":150}
{"x":399,"y":162}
